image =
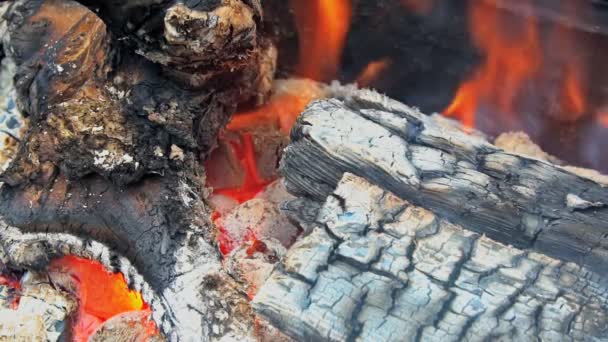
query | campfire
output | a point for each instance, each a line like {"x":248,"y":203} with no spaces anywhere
{"x":231,"y":170}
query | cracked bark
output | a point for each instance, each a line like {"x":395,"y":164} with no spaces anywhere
{"x":122,"y":109}
{"x":433,"y":163}
{"x":377,"y":267}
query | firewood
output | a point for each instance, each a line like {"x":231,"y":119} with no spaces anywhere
{"x":123,"y":104}
{"x":513,"y":199}
{"x":378,"y":268}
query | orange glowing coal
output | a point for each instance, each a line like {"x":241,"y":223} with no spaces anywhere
{"x":281,"y":113}
{"x":372,"y":71}
{"x":253,"y":183}
{"x":322,"y":28}
{"x":101,"y":294}
{"x":515,"y":62}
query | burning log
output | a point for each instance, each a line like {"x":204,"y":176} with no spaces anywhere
{"x":122,"y":108}
{"x":379,"y":268}
{"x":527,"y":203}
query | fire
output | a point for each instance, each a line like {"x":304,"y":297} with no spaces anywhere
{"x":515,"y":67}
{"x":253,"y":183}
{"x":372,"y":71}
{"x":102,"y":295}
{"x":281,"y":112}
{"x":574,"y":101}
{"x":322,"y":28}
{"x":511,"y":58}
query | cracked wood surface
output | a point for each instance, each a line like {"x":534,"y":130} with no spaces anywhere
{"x":435,"y":164}
{"x":377,"y":268}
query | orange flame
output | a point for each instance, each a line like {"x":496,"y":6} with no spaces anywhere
{"x":574,"y":103}
{"x":102,"y":294}
{"x":513,"y":59}
{"x":372,"y":71}
{"x":421,"y":7}
{"x":322,"y":27}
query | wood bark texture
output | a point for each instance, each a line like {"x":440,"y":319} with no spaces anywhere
{"x":123,"y":102}
{"x":378,"y":268}
{"x":436,"y":164}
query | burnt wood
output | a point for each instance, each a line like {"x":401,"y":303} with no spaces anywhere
{"x":378,"y":268}
{"x":118,"y":126}
{"x":435,"y":164}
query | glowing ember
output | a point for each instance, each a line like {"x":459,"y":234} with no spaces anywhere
{"x":322,"y":27}
{"x":10,"y":282}
{"x":514,"y":67}
{"x":253,"y":183}
{"x":281,"y":112}
{"x":102,"y":295}
{"x":372,"y":71}
{"x":228,"y":243}
{"x":14,"y":285}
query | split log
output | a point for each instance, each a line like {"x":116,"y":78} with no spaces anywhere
{"x":110,"y":165}
{"x":378,"y":268}
{"x":435,"y":164}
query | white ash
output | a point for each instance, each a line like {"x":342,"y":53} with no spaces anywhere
{"x":128,"y":326}
{"x":42,"y":313}
{"x":222,"y":204}
{"x":260,"y":217}
{"x":379,"y":268}
{"x":176,"y":153}
{"x":253,"y":267}
{"x":110,"y":160}
{"x":521,"y":144}
{"x":577,"y":203}
{"x":276,"y":193}
{"x":12,"y":123}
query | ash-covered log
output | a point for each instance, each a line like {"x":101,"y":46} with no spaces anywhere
{"x":122,"y":109}
{"x":436,"y":164}
{"x":379,"y":268}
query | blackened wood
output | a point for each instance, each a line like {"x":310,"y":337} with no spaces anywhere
{"x":435,"y":164}
{"x":113,"y":150}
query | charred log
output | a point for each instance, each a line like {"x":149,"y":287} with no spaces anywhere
{"x":435,"y":164}
{"x":117,"y":132}
{"x":377,"y":267}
